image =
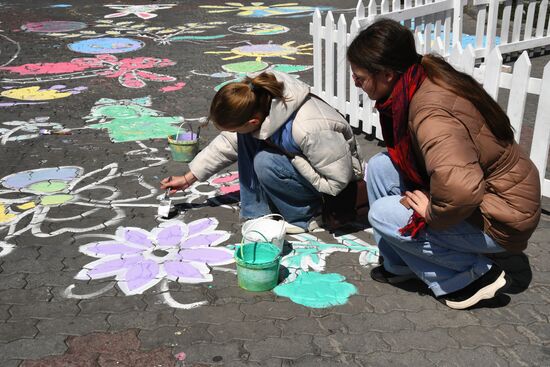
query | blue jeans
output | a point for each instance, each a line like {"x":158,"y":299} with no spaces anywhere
{"x":280,"y":189}
{"x":446,"y":260}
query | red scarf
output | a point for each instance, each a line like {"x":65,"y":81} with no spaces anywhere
{"x":394,"y":117}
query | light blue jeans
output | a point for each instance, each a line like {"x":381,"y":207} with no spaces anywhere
{"x":281,"y":189}
{"x":446,"y":260}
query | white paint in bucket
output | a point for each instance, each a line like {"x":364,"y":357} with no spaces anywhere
{"x":265,"y":229}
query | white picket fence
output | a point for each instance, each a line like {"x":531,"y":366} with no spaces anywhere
{"x":516,"y":31}
{"x":333,"y":81}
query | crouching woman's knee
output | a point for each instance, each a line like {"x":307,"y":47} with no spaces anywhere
{"x":388,"y":212}
{"x":378,"y":165}
{"x":264,"y":164}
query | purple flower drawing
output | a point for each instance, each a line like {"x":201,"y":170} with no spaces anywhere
{"x":139,"y":259}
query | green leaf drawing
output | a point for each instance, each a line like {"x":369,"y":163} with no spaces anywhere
{"x":317,"y":290}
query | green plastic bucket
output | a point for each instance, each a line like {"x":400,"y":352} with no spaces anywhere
{"x":184,"y":146}
{"x":258,"y":266}
{"x":183,"y":150}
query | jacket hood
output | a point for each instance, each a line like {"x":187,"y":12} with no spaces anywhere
{"x":295,"y":92}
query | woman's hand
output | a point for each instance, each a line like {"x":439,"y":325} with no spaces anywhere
{"x":418,"y":201}
{"x":175,"y":183}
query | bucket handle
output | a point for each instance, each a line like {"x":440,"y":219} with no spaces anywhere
{"x":242,"y":241}
{"x":190,"y":128}
{"x":267,"y":216}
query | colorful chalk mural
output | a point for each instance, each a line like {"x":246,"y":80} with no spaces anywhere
{"x":237,"y":71}
{"x":141,"y":11}
{"x":38,"y":200}
{"x":306,"y":284}
{"x":53,"y":26}
{"x":131,"y":119}
{"x":221,"y":189}
{"x":176,"y":251}
{"x":172,"y":88}
{"x":188,"y":32}
{"x":267,"y":50}
{"x":5,"y":248}
{"x":25,"y":130}
{"x":317,"y":290}
{"x":106,"y":45}
{"x":258,"y":29}
{"x":260,"y":10}
{"x":36,"y":93}
{"x":130,"y":72}
{"x":10,"y":49}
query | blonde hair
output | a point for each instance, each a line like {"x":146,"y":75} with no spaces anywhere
{"x":236,"y":103}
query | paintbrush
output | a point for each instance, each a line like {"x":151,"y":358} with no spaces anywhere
{"x":165,"y":205}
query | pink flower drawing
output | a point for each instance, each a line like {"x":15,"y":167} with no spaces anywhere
{"x":139,"y":259}
{"x":129,"y":71}
{"x":142,"y":11}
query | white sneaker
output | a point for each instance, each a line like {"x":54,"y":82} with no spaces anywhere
{"x":313,"y":226}
{"x":293,"y":229}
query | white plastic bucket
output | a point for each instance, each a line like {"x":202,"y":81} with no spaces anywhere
{"x":265,"y":229}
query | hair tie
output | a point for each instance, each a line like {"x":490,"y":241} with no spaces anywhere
{"x":253,"y":88}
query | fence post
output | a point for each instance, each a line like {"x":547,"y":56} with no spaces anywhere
{"x":542,"y":18}
{"x":329,"y":58}
{"x":491,"y":80}
{"x":518,"y":93}
{"x":457,"y":21}
{"x":491,"y":26}
{"x":341,"y":63}
{"x":469,"y":60}
{"x":518,"y":17}
{"x":541,"y":132}
{"x":372,"y":11}
{"x":360,"y":9}
{"x":317,"y":53}
{"x":353,"y":92}
{"x":528,"y":32}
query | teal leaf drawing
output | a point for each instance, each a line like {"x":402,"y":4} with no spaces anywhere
{"x":317,"y":290}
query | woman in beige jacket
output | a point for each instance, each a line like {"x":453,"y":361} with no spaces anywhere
{"x":290,"y":148}
{"x":454,"y":186}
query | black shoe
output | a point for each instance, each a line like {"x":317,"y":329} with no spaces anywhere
{"x":381,"y":275}
{"x":485,"y":287}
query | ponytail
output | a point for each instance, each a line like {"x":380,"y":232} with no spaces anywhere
{"x":236,"y":103}
{"x":443,"y":74}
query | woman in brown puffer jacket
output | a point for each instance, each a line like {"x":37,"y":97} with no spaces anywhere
{"x":454,"y":186}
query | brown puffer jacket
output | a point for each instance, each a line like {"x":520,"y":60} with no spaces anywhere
{"x":473,"y":175}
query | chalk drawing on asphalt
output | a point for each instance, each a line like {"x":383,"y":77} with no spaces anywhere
{"x":141,"y":11}
{"x":260,"y":10}
{"x":258,"y":29}
{"x":266,"y":50}
{"x":188,"y":32}
{"x":306,"y":284}
{"x":11,"y":131}
{"x":238,"y":70}
{"x":131,"y":119}
{"x":10,"y":49}
{"x":53,"y":26}
{"x":130,"y":72}
{"x":37,"y":200}
{"x":5,"y":248}
{"x":36,"y":93}
{"x":221,"y":190}
{"x":172,"y":88}
{"x":106,"y":45}
{"x":174,"y":250}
